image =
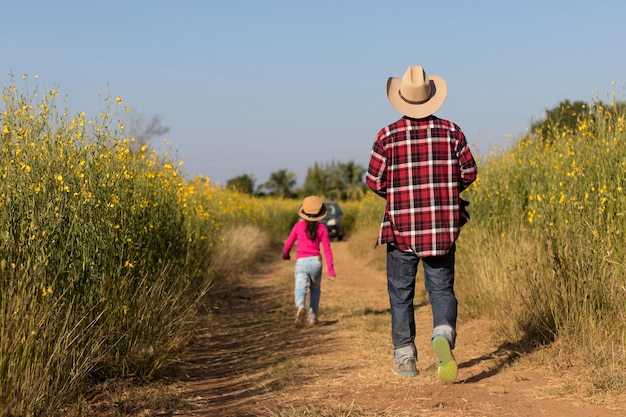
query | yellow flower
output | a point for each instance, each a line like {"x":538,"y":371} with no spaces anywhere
{"x":118,"y":99}
{"x":45,"y":291}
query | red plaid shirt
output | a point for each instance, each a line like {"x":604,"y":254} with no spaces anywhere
{"x":420,"y":166}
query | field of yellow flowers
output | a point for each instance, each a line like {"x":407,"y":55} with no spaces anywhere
{"x":105,"y":250}
{"x":546,"y":253}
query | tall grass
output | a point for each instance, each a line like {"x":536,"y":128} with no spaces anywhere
{"x":544,"y":252}
{"x":105,"y":250}
{"x":92,"y":252}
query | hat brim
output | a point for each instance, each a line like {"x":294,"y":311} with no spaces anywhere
{"x":417,"y":111}
{"x":317,"y":218}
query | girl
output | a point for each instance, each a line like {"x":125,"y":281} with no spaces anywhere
{"x":308,"y":273}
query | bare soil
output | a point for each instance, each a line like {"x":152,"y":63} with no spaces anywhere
{"x":248,"y":359}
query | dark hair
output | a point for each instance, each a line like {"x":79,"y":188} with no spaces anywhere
{"x":311,"y":229}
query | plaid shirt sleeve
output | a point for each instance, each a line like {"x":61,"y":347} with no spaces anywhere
{"x":420,"y":167}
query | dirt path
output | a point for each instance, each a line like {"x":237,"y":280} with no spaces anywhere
{"x":251,"y":361}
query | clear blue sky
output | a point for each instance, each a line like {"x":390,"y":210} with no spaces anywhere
{"x":253,"y":87}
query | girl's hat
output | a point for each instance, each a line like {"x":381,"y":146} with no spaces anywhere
{"x":312,"y":209}
{"x":416,"y":94}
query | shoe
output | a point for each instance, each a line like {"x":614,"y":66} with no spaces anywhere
{"x":313,"y":322}
{"x":448,"y":369}
{"x":406,"y":368}
{"x":300,"y":317}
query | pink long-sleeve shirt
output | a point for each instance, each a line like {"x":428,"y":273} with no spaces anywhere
{"x":306,"y":247}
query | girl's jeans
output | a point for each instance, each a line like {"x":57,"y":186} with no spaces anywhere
{"x":439,"y":282}
{"x":308,"y":275}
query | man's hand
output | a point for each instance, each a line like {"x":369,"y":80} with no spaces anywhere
{"x":286,"y":256}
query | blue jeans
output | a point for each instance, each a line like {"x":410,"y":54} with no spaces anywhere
{"x":308,"y":276}
{"x":439,"y":282}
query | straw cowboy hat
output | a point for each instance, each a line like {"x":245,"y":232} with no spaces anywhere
{"x":416,"y":94}
{"x":312,"y":209}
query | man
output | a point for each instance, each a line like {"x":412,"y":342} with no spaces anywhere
{"x":420,"y":164}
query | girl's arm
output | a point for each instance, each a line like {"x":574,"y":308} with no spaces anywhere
{"x":328,"y":253}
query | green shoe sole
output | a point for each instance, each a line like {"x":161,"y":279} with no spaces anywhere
{"x":448,"y":369}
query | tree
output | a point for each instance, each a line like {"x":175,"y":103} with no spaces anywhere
{"x":316,"y":181}
{"x":281,"y":184}
{"x":353,"y":178}
{"x":243,"y":184}
{"x":564,"y":116}
{"x":335,"y":181}
{"x":144,"y":130}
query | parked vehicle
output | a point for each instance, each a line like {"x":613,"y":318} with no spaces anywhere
{"x":333,"y":220}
